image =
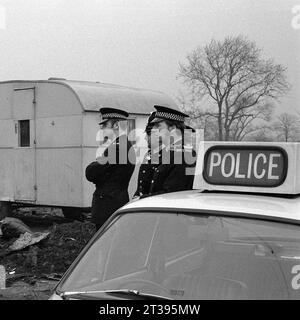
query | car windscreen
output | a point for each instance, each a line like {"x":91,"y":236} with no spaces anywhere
{"x":192,"y":256}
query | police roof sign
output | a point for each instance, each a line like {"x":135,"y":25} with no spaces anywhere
{"x":245,"y":166}
{"x":248,"y":167}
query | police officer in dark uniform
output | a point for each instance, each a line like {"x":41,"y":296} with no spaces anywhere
{"x":112,"y":170}
{"x":175,"y":171}
{"x":150,"y":161}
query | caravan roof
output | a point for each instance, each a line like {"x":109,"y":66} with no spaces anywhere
{"x":93,"y":95}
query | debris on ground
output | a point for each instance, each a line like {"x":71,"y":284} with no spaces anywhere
{"x":41,"y":217}
{"x":52,"y":255}
{"x":21,"y":290}
{"x":40,"y":256}
{"x":13,"y":228}
{"x":27,"y":239}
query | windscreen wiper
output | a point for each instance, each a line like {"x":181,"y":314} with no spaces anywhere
{"x":126,"y":292}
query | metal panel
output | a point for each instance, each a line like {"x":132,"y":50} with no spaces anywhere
{"x":6,"y":101}
{"x":8,"y":137}
{"x":56,"y":100}
{"x":23,"y":107}
{"x":6,"y":174}
{"x":25,"y":158}
{"x":59,"y":173}
{"x":59,"y":131}
{"x":24,"y":175}
{"x":90,"y":129}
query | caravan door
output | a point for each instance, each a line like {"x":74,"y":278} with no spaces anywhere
{"x":25,"y":145}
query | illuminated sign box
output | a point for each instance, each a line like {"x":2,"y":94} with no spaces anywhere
{"x":248,"y":167}
{"x":245,"y":166}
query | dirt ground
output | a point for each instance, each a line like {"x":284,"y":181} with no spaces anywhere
{"x":31,"y":273}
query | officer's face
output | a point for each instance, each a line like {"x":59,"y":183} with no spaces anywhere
{"x":164,"y":132}
{"x":153,"y":139}
{"x":108,"y":130}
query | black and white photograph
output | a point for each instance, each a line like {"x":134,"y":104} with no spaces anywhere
{"x":150,"y":150}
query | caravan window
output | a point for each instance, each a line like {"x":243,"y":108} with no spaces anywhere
{"x":24,"y":133}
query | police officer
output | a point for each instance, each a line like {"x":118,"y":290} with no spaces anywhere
{"x":112,"y":170}
{"x":175,"y":171}
{"x":150,"y":161}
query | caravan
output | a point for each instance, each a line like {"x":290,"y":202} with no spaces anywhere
{"x":48,"y":135}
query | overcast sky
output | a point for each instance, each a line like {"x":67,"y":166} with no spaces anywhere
{"x":138,"y":42}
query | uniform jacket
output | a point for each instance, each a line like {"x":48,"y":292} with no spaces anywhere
{"x":172,"y":176}
{"x":146,"y":172}
{"x":111,"y":179}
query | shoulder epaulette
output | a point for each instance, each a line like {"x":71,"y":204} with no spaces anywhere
{"x":188,"y":148}
{"x":177,"y":148}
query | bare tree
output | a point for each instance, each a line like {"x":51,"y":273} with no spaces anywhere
{"x":198,"y":118}
{"x":246,"y":121}
{"x":243,"y":126}
{"x":287,"y":127}
{"x":236,"y":80}
{"x":264,"y":133}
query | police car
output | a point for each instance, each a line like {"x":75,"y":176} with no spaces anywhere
{"x":235,"y":236}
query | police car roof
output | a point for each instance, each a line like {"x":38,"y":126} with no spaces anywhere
{"x":244,"y":205}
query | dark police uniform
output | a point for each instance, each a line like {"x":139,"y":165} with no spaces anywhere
{"x":111,"y":179}
{"x":170,"y":174}
{"x":148,"y":166}
{"x":146,"y":173}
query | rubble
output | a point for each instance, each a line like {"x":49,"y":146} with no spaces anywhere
{"x":27,"y":239}
{"x":52,"y":255}
{"x":21,"y":290}
{"x":36,"y":247}
{"x":47,"y":259}
{"x":40,"y":216}
{"x":13,"y":228}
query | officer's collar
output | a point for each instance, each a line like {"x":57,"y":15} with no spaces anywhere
{"x":176,"y":145}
